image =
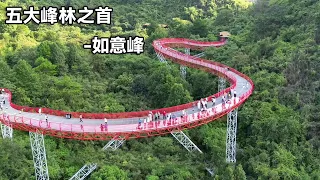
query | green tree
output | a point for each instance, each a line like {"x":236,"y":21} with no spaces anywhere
{"x":111,"y":172}
{"x":239,"y":173}
{"x":25,"y":77}
{"x":45,"y":66}
{"x":178,"y":95}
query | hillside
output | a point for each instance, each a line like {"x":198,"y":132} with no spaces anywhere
{"x":275,"y":43}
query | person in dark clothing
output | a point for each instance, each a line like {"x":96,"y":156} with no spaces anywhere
{"x":80,"y":118}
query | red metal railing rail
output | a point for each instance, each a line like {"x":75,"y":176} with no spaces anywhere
{"x":93,"y":132}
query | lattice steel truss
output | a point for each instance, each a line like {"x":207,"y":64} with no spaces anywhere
{"x":39,"y":155}
{"x":6,"y":130}
{"x":199,"y":55}
{"x":189,"y":145}
{"x":221,"y":84}
{"x":231,"y":136}
{"x":84,"y":172}
{"x":183,"y":69}
{"x":185,"y":141}
{"x":187,"y":51}
{"x":114,"y":144}
{"x":161,"y":58}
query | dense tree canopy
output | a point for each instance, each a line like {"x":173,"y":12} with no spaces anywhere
{"x":276,"y":43}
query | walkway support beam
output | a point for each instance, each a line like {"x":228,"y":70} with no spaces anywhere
{"x":199,"y":55}
{"x":114,"y":144}
{"x":231,"y":142}
{"x":186,"y":142}
{"x":87,"y":169}
{"x":183,"y":69}
{"x":161,"y":58}
{"x":84,"y":172}
{"x":221,"y":84}
{"x":39,"y":155}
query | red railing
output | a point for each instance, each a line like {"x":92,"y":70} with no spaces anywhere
{"x":20,"y":122}
{"x":210,"y":66}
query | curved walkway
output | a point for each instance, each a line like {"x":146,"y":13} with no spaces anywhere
{"x":125,"y":125}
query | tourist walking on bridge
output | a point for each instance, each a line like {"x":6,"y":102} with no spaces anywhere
{"x":40,"y":111}
{"x":106,"y":123}
{"x":139,"y":123}
{"x":183,"y":113}
{"x":223,"y":100}
{"x":80,"y":117}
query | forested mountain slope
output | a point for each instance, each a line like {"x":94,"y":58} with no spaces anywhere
{"x":275,"y":43}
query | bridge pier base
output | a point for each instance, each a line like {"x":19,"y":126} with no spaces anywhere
{"x":231,"y":141}
{"x":186,"y":142}
{"x":39,"y":155}
{"x":84,"y":172}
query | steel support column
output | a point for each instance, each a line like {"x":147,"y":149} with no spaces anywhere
{"x":6,"y":130}
{"x":189,"y":145}
{"x":221,"y":84}
{"x":39,"y":155}
{"x":183,"y":69}
{"x":6,"y":126}
{"x":84,"y":172}
{"x":231,"y":141}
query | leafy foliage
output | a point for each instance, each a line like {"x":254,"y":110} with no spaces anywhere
{"x":276,"y":43}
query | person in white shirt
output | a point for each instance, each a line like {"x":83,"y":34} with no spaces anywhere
{"x":183,"y":113}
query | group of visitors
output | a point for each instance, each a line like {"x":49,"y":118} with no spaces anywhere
{"x":202,"y":104}
{"x":226,"y":98}
{"x":157,"y":116}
